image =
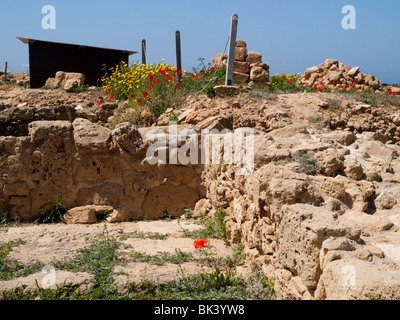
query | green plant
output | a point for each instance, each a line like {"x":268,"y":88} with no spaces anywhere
{"x":188,"y":213}
{"x":83,"y":88}
{"x":47,"y":87}
{"x":56,"y":213}
{"x":176,"y":258}
{"x":166,"y":215}
{"x":98,"y":260}
{"x":10,"y":268}
{"x":262,"y":94}
{"x":4,"y":218}
{"x":308,"y":165}
{"x":213,"y":227}
{"x":144,"y":235}
{"x":334,"y":105}
{"x":173,"y":117}
{"x":103,"y":215}
{"x":215,"y":285}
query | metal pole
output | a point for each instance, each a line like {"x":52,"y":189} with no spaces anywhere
{"x":231,"y":54}
{"x":144,"y":58}
{"x":5,"y":73}
{"x":178,"y":54}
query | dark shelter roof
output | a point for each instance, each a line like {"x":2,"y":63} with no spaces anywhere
{"x":46,"y":58}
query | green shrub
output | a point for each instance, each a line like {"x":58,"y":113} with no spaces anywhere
{"x":55,"y":214}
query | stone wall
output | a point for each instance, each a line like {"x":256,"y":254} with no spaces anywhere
{"x":90,"y":165}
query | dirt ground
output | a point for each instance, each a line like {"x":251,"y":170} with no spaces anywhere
{"x":61,"y":242}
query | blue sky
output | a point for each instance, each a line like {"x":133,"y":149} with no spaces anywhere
{"x":292,"y":34}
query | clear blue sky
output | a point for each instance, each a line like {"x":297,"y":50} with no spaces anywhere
{"x":292,"y":34}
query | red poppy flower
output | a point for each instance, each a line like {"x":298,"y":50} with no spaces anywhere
{"x":353,"y":81}
{"x":168,"y":70}
{"x":180,"y":71}
{"x":112,"y":97}
{"x":131,"y":95}
{"x":333,"y":82}
{"x":212,"y":68}
{"x":200,"y":244}
{"x":145,"y":94}
{"x":140,"y":101}
{"x":109,"y":90}
{"x":149,"y":100}
{"x":147,"y":88}
{"x":158,"y":82}
{"x":151,"y":76}
{"x":178,"y":85}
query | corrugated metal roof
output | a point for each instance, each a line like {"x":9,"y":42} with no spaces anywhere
{"x":28,"y":41}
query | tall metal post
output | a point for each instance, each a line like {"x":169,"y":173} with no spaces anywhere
{"x":178,"y":54}
{"x":232,"y":46}
{"x":5,"y":73}
{"x":144,"y":58}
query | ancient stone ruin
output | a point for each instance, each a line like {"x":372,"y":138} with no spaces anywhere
{"x":318,"y":213}
{"x":248,"y":66}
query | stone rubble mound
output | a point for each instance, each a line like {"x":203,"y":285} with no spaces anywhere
{"x":335,"y":74}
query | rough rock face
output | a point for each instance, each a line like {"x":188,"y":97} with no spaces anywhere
{"x":248,"y":66}
{"x":335,"y":74}
{"x":313,"y":220}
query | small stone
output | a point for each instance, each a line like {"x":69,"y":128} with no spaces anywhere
{"x":241,"y":44}
{"x":353,"y":71}
{"x":385,"y":200}
{"x":253,"y":57}
{"x":81,"y":215}
{"x":240,"y":54}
